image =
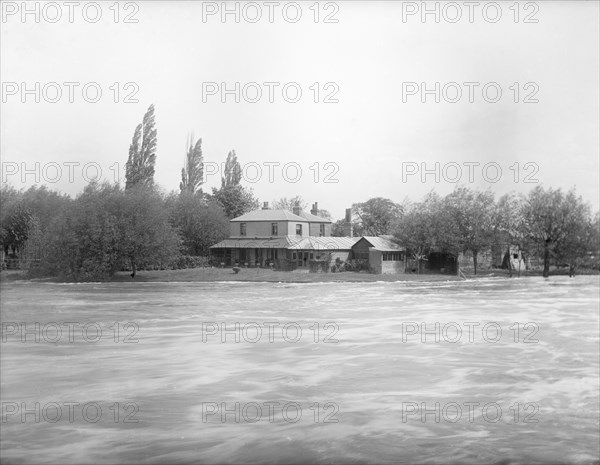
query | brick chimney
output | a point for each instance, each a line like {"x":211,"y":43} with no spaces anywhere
{"x":265,"y":206}
{"x":348,"y":229}
{"x":296,"y":209}
{"x":315,"y":209}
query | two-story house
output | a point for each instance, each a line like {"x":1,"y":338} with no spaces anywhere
{"x":286,"y":239}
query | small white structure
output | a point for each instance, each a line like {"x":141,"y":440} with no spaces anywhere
{"x":515,"y":258}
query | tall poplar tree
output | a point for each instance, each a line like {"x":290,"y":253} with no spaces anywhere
{"x":233,"y":172}
{"x":193,"y":171}
{"x":139,"y":169}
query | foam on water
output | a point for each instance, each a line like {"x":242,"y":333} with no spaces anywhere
{"x":370,"y":373}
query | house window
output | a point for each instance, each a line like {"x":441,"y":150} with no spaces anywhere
{"x":321,"y":229}
{"x":273,"y":229}
{"x":393,"y":256}
{"x":293,"y":255}
{"x":298,"y":230}
{"x":312,"y":257}
{"x":242,"y":229}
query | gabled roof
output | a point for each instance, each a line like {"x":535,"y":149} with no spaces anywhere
{"x":383,"y":243}
{"x":269,"y":215}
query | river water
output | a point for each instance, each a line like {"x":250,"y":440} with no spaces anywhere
{"x":487,"y":371}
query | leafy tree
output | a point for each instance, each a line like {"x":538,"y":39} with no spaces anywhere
{"x":106,"y":227}
{"x":139,"y":169}
{"x":10,"y":198}
{"x":324,"y":213}
{"x":232,"y":174}
{"x":147,"y":237}
{"x":507,"y":225}
{"x":472,"y":214}
{"x":45,"y":204}
{"x":581,"y":245}
{"x":96,"y":226}
{"x":235,"y":200}
{"x":337,"y":228}
{"x":288,"y":204}
{"x":82,"y":243}
{"x":61,"y":249}
{"x":423,"y":229}
{"x":201,"y":223}
{"x":554,"y":220}
{"x":593,"y":256}
{"x":193,"y":171}
{"x":377,"y":215}
{"x":25,"y":215}
{"x":16,"y":224}
{"x":340,"y":228}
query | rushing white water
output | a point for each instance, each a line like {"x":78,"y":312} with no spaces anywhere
{"x":375,"y":389}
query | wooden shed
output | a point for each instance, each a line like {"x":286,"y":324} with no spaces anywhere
{"x":383,"y":254}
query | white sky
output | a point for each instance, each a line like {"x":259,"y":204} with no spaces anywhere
{"x":369,"y":133}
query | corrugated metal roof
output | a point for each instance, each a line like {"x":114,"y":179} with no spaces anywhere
{"x":289,"y":242}
{"x":383,"y":243}
{"x":257,"y":243}
{"x":324,"y":243}
{"x":269,"y":215}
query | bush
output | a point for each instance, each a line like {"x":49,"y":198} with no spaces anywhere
{"x":319,"y":266}
{"x":189,"y":261}
{"x":356,"y":265}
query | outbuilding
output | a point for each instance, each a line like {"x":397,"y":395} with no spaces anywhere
{"x":383,"y":255}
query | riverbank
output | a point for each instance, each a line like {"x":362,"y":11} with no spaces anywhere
{"x":267,"y":275}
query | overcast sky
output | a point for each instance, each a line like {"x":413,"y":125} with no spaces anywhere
{"x":370,"y":135}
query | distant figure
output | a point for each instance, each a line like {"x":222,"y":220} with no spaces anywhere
{"x":571,"y":271}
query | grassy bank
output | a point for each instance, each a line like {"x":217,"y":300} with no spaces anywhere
{"x":245,"y":275}
{"x":267,"y":275}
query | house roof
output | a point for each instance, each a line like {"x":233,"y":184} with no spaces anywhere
{"x":280,"y":215}
{"x":324,"y":243}
{"x":313,"y":218}
{"x":383,"y":243}
{"x":250,"y":243}
{"x":289,"y":242}
{"x":269,"y":215}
